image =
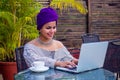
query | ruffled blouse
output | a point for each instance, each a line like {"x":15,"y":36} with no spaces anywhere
{"x":33,"y":53}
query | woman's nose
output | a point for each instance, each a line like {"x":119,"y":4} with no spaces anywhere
{"x":52,"y":30}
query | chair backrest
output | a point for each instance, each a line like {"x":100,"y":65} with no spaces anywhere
{"x":90,"y":37}
{"x":21,"y":64}
{"x":112,"y":60}
{"x":74,"y":52}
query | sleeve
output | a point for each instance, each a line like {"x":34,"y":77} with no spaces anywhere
{"x":64,"y":55}
{"x":32,"y":55}
{"x":68,"y":56}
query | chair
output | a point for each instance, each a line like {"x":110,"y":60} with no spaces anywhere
{"x":90,"y":37}
{"x":20,"y":61}
{"x":112,"y":60}
{"x":74,"y":52}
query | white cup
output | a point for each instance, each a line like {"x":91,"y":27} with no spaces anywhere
{"x":38,"y":64}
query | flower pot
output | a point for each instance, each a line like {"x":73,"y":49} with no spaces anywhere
{"x":8,"y":70}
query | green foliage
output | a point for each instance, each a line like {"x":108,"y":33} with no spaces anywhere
{"x":17,"y":23}
{"x":66,"y":4}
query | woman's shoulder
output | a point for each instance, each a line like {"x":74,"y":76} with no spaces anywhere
{"x":58,"y":43}
{"x":30,"y":43}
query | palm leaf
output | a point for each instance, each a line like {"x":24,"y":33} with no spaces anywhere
{"x":17,"y":23}
{"x":66,"y":4}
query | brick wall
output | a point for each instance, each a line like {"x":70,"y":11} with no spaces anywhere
{"x":104,"y":18}
{"x":71,"y":25}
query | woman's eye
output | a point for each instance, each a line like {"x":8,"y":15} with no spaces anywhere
{"x":48,"y":27}
{"x":54,"y":27}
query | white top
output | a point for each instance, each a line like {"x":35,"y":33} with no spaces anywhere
{"x":33,"y":53}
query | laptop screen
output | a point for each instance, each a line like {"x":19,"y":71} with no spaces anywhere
{"x":92,"y":55}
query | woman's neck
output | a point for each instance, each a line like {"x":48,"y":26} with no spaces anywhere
{"x":45,"y":42}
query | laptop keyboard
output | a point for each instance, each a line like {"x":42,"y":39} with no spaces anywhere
{"x":73,"y":68}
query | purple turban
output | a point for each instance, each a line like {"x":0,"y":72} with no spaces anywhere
{"x":46,"y":15}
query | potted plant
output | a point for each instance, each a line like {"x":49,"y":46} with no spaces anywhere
{"x":17,"y":23}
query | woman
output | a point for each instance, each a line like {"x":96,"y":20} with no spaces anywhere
{"x":45,"y":48}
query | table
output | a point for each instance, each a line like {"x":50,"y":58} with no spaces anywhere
{"x":53,"y":74}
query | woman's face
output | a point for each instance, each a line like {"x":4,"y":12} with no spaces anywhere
{"x":48,"y":30}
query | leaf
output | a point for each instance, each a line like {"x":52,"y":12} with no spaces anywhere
{"x":66,"y":4}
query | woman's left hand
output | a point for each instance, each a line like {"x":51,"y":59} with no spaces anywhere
{"x":75,"y":61}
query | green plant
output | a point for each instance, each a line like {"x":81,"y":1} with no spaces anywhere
{"x":17,"y":23}
{"x":67,"y":4}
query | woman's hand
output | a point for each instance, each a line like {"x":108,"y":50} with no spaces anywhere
{"x":66,"y":64}
{"x":75,"y":61}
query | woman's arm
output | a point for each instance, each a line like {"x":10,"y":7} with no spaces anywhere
{"x":31,"y":56}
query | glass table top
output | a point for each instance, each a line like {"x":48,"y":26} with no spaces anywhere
{"x":53,"y":74}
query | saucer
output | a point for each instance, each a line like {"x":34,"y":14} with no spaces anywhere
{"x":41,"y":69}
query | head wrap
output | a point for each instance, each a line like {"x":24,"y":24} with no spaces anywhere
{"x":46,"y":15}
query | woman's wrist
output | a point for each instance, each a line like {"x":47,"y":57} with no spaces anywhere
{"x":57,"y":63}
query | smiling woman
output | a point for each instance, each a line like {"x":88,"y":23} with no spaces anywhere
{"x":45,"y":48}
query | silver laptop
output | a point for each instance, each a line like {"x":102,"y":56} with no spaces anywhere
{"x":92,"y":56}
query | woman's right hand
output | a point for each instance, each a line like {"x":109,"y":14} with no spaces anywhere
{"x":66,"y":64}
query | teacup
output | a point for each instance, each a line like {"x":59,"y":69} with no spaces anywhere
{"x":38,"y":64}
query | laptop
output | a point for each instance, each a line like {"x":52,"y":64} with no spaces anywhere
{"x":92,"y":56}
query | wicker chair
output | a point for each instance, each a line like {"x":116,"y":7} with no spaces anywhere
{"x":90,"y":37}
{"x":112,"y":60}
{"x":21,"y":64}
